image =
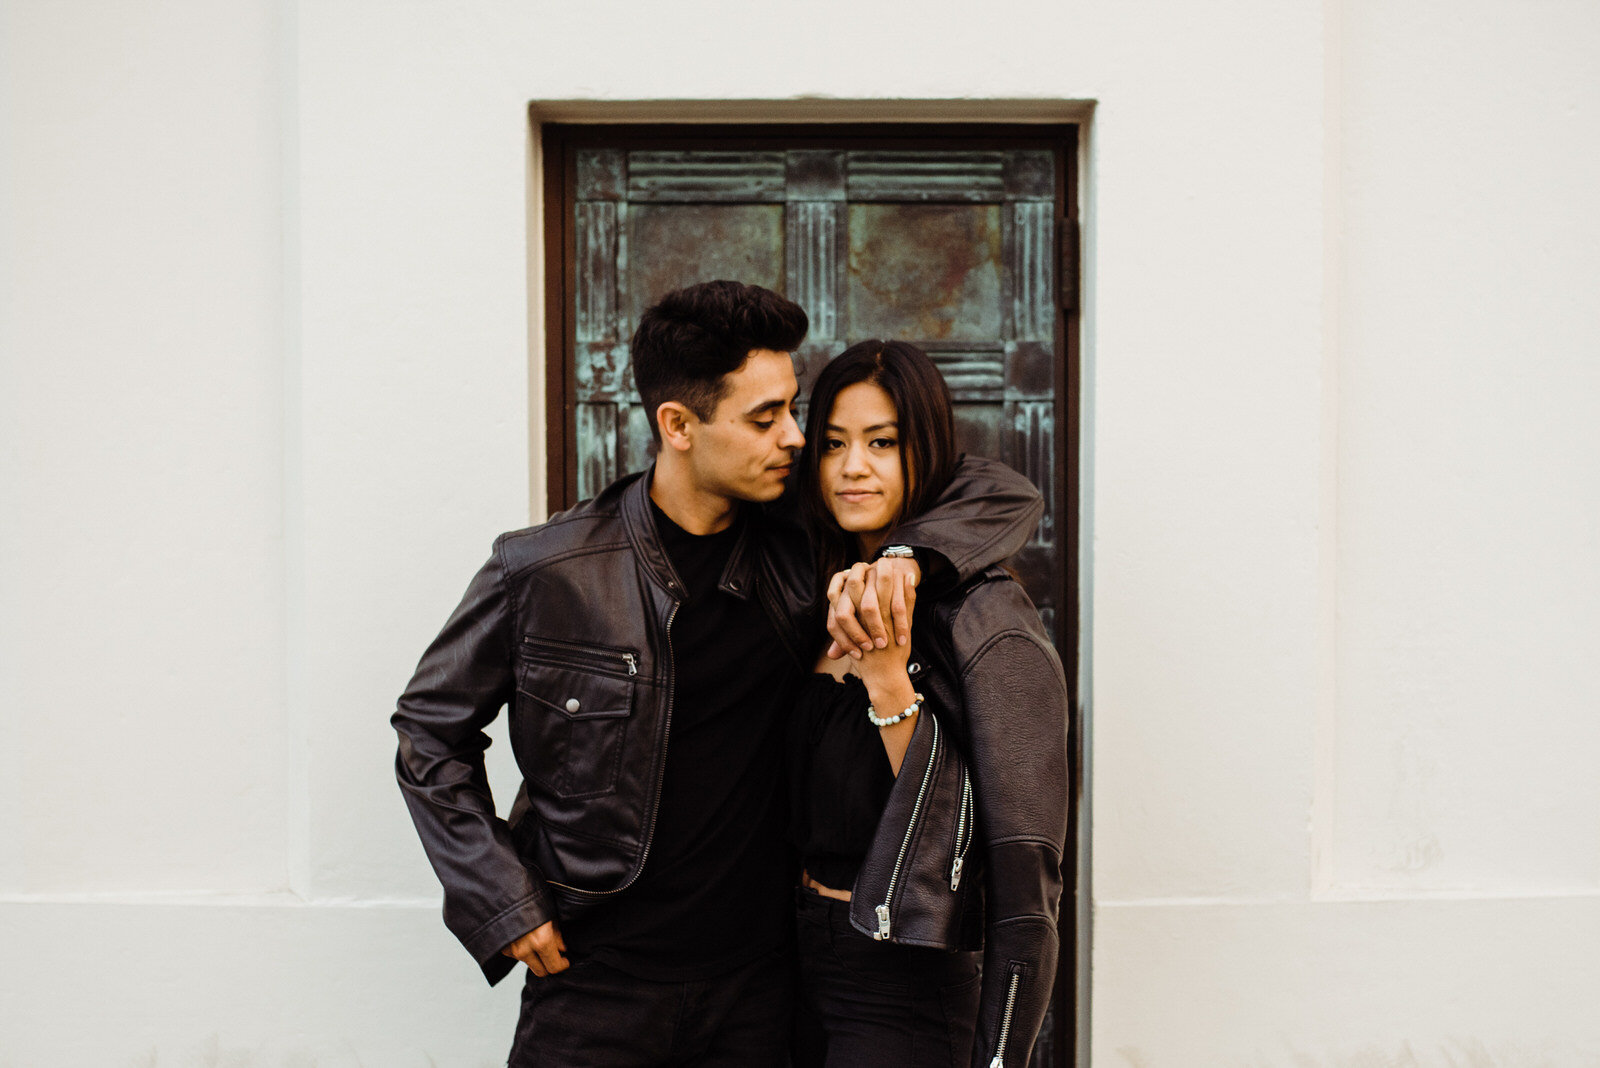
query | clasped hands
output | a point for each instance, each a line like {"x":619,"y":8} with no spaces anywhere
{"x":869,"y":606}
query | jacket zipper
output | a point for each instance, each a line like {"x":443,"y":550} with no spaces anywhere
{"x":1005,"y":1022}
{"x":963,"y":829}
{"x":599,"y":657}
{"x":905,"y":843}
{"x":661,"y":773}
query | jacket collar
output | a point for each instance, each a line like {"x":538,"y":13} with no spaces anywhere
{"x":738,"y":577}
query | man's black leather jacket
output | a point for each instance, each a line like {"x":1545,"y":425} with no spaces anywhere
{"x":570,"y":624}
{"x":968,"y":850}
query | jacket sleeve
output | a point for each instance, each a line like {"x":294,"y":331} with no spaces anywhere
{"x":490,"y":898}
{"x":1017,"y":714}
{"x":986,"y":514}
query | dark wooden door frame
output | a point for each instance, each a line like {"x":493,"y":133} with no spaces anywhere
{"x":559,"y":142}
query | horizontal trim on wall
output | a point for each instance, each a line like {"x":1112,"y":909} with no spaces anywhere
{"x":208,"y":899}
{"x":1346,"y":897}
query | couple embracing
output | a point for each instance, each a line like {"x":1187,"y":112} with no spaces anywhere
{"x":730,"y":848}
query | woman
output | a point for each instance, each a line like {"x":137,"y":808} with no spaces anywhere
{"x":928,"y":781}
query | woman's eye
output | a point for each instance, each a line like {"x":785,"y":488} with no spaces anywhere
{"x":831,"y":444}
{"x":883,"y":443}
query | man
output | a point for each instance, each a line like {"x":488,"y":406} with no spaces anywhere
{"x":645,"y":642}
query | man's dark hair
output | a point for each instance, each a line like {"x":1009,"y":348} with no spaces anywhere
{"x":925,"y":415}
{"x":689,"y":339}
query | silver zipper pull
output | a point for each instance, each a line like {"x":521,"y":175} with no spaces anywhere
{"x":633,"y":665}
{"x":998,"y":1062}
{"x":955,"y":872}
{"x":883,"y":923}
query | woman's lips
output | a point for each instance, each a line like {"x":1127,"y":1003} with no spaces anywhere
{"x":856,"y":496}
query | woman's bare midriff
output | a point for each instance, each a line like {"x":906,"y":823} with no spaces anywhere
{"x":826,"y":891}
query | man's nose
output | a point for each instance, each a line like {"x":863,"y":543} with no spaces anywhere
{"x":792,"y":437}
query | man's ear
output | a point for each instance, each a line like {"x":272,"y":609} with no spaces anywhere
{"x":676,"y":423}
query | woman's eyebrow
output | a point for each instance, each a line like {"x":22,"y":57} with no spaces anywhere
{"x":865,"y":429}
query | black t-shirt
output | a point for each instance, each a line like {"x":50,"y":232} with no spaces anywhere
{"x":715,"y":890}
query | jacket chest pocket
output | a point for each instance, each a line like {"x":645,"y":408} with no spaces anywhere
{"x":572,"y":717}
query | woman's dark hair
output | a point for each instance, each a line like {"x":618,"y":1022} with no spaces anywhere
{"x":927,"y":433}
{"x":692,"y":338}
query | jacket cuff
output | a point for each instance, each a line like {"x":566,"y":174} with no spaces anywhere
{"x":1022,"y":954}
{"x":499,"y":932}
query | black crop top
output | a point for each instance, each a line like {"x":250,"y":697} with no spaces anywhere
{"x":839,"y":778}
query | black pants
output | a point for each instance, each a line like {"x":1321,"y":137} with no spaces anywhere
{"x":865,"y":1004}
{"x":594,"y":1015}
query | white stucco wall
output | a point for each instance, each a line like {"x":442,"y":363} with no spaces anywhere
{"x":267,"y":395}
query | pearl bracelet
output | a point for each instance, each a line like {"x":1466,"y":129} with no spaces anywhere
{"x":888,"y":721}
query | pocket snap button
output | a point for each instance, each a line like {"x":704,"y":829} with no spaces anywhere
{"x":572,"y":704}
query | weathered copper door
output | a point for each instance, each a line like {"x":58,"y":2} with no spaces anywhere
{"x":960,"y":240}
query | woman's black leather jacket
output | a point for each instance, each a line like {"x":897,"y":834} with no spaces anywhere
{"x":968,"y":850}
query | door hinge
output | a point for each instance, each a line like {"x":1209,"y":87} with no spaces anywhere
{"x":1067,"y":266}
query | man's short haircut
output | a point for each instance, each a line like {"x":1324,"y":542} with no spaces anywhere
{"x":690,"y":339}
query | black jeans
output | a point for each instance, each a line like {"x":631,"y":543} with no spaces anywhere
{"x":865,"y":1004}
{"x":593,"y":1014}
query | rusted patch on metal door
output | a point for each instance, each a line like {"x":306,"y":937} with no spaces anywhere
{"x":925,"y":272}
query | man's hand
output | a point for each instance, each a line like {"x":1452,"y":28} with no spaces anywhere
{"x":858,"y":598}
{"x":541,"y":950}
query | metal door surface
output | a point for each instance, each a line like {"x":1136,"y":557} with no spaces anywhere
{"x":959,"y":242}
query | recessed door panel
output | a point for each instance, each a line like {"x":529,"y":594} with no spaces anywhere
{"x":674,"y":245}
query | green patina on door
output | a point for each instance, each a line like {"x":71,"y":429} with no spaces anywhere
{"x":958,"y":240}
